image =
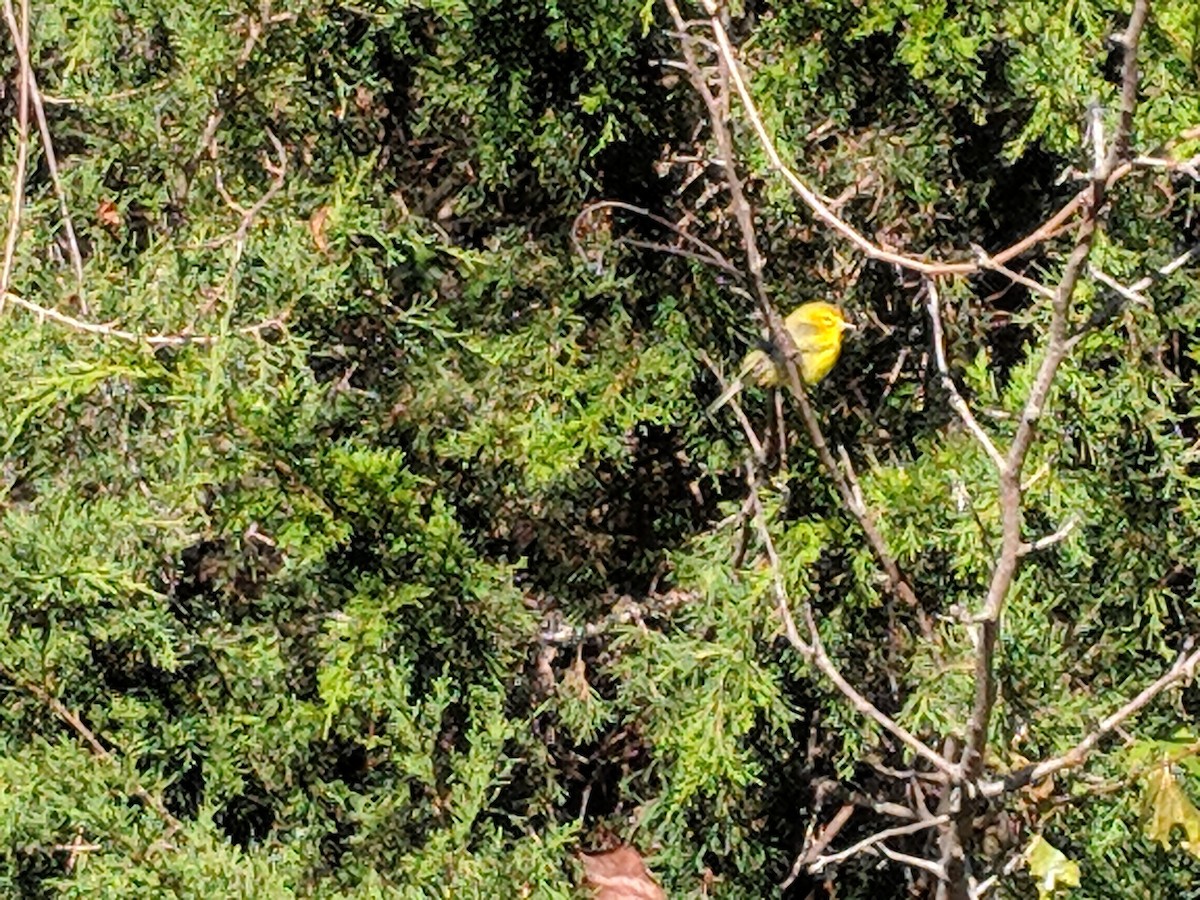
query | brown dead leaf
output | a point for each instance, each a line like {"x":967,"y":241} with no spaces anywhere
{"x":619,"y":874}
{"x":316,"y":227}
{"x":1042,"y":790}
{"x":108,"y":215}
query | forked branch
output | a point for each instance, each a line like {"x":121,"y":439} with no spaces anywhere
{"x":744,"y":216}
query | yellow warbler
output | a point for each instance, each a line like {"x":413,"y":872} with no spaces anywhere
{"x":816,"y":329}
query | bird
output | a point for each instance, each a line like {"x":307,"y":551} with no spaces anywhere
{"x":816,"y":328}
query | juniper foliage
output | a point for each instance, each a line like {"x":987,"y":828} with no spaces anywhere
{"x":320,"y":576}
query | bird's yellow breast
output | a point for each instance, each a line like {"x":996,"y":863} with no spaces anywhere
{"x":817,"y":329}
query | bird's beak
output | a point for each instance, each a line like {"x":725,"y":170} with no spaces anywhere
{"x":847,"y":326}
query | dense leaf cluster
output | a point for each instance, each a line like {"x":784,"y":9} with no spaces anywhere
{"x":413,"y":570}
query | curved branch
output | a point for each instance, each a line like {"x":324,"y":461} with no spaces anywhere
{"x":1183,"y":670}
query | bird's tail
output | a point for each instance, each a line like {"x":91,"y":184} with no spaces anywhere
{"x":726,"y":395}
{"x":759,"y":365}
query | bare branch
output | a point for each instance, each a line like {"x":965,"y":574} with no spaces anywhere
{"x":915,"y":861}
{"x":1112,"y":284}
{"x":814,"y":650}
{"x":1183,"y":670}
{"x":98,"y":749}
{"x":17,"y":202}
{"x":103,"y":329}
{"x":1178,"y":262}
{"x":1058,"y":344}
{"x":20,"y":36}
{"x":956,"y":400}
{"x":706,"y":252}
{"x":822,"y":862}
{"x":992,"y":265}
{"x":278,"y":173}
{"x":106,"y":329}
{"x":783,"y":604}
{"x":760,"y":453}
{"x":822,"y":661}
{"x":1057,"y":347}
{"x":814,"y":849}
{"x":105,"y":98}
{"x":822,"y":210}
{"x":1051,"y":539}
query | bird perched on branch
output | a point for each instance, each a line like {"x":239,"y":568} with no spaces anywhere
{"x":816,"y":328}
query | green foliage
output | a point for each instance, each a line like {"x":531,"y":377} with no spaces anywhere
{"x":306,"y":573}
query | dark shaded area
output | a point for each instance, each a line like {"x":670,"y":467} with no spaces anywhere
{"x":184,"y":796}
{"x":218,"y":580}
{"x":127,"y":669}
{"x":248,"y":818}
{"x":611,"y":528}
{"x":33,"y":867}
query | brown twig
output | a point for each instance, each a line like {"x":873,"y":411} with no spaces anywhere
{"x":1048,"y":229}
{"x":867,"y":843}
{"x":1183,"y":670}
{"x":18,"y":183}
{"x":21,"y":44}
{"x":278,"y":173}
{"x":50,"y":100}
{"x":745,"y":218}
{"x":814,"y":848}
{"x":957,"y":403}
{"x":77,"y":850}
{"x":1049,"y":540}
{"x":992,"y":265}
{"x":98,"y":749}
{"x":103,"y":329}
{"x":1127,"y":293}
{"x":705,"y":252}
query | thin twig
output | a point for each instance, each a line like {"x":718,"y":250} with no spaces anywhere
{"x":706,"y":252}
{"x":18,"y":182}
{"x":1051,"y":539}
{"x":98,"y":749}
{"x":103,"y":329}
{"x":109,"y":330}
{"x":1112,"y":284}
{"x":782,"y":602}
{"x":822,"y":661}
{"x":915,"y":861}
{"x":866,"y":843}
{"x":755,"y":444}
{"x":816,"y":848}
{"x":1184,"y":669}
{"x":1050,"y":228}
{"x":105,"y":98}
{"x":278,"y":173}
{"x":1163,"y":271}
{"x":22,"y":47}
{"x":956,"y":400}
{"x":992,"y":265}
